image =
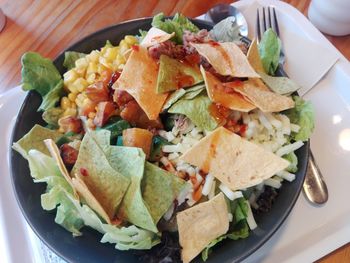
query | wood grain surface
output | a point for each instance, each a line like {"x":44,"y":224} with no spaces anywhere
{"x":49,"y":26}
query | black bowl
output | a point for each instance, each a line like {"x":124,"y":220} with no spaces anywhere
{"x":88,"y":248}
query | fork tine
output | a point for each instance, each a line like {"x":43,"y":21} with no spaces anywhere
{"x":264,"y":20}
{"x":276,"y":29}
{"x":258,"y":31}
{"x":269,"y":17}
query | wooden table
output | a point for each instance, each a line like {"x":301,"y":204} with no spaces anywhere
{"x":49,"y":26}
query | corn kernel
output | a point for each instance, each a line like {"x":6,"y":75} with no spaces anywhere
{"x":120,"y":59}
{"x":111,"y":53}
{"x":61,"y":130}
{"x":80,"y":100}
{"x":101,"y":68}
{"x":94,"y":55}
{"x":91,"y":78}
{"x":86,"y":101}
{"x":80,"y":84}
{"x":130,"y":40}
{"x":92,"y":68}
{"x":72,"y":96}
{"x":72,"y":88}
{"x":81,"y":63}
{"x":81,"y":72}
{"x":123,"y":47}
{"x":70,"y":112}
{"x":73,"y":105}
{"x":91,"y":115}
{"x":65,"y":103}
{"x":70,"y":76}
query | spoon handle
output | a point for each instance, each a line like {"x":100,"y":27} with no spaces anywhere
{"x":314,"y":185}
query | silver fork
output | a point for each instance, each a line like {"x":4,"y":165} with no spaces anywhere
{"x":314,"y":185}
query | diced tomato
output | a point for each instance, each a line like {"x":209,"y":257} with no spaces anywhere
{"x":105,"y":110}
{"x":133,"y":114}
{"x":70,"y":124}
{"x":243,"y":129}
{"x":121,"y":97}
{"x":97,"y":92}
{"x":69,"y":155}
{"x":106,"y":76}
{"x":213,"y":43}
{"x":87,"y":108}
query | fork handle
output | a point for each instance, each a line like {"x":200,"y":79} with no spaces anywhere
{"x":280,"y":71}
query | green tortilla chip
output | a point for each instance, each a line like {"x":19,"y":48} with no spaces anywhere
{"x":197,"y":110}
{"x":106,"y":184}
{"x":130,"y":162}
{"x":174,"y":75}
{"x":159,"y":189}
{"x":34,"y":139}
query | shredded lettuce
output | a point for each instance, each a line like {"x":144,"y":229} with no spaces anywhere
{"x":70,"y":57}
{"x":293,"y":162}
{"x":303,"y":115}
{"x":269,"y":50}
{"x":178,"y":24}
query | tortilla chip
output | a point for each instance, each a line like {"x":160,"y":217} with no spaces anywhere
{"x":265,"y":100}
{"x":254,"y":57}
{"x":89,"y":198}
{"x":155,"y":36}
{"x":227,"y":59}
{"x":236,"y":162}
{"x":55,"y":154}
{"x":130,"y":162}
{"x":139,"y":79}
{"x":174,"y":75}
{"x":201,"y":224}
{"x":159,"y":190}
{"x":217,"y":93}
{"x":34,"y":139}
{"x":106,"y":184}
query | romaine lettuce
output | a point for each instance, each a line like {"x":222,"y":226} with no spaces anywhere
{"x":178,"y":24}
{"x":303,"y":115}
{"x":70,"y":57}
{"x":269,"y":50}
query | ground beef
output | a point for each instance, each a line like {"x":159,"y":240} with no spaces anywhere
{"x":168,"y":48}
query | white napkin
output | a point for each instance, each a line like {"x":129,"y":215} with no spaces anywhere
{"x":307,"y":62}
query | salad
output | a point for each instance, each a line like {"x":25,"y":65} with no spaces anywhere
{"x":176,"y":132}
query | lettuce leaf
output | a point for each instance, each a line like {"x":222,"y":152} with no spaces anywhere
{"x":41,"y":75}
{"x":52,"y":97}
{"x":178,"y":24}
{"x":280,"y":85}
{"x":45,"y":170}
{"x":303,"y":115}
{"x":269,"y":50}
{"x":52,"y":115}
{"x":188,"y":94}
{"x":197,"y":110}
{"x":73,"y":216}
{"x":70,"y":57}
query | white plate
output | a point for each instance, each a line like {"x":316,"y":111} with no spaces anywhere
{"x":309,"y":232}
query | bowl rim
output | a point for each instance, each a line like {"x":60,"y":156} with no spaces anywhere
{"x":12,"y":152}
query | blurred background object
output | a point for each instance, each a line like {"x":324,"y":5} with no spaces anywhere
{"x":330,"y":17}
{"x":2,"y":20}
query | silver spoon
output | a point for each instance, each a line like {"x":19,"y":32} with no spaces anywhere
{"x":222,"y":11}
{"x":314,"y":186}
